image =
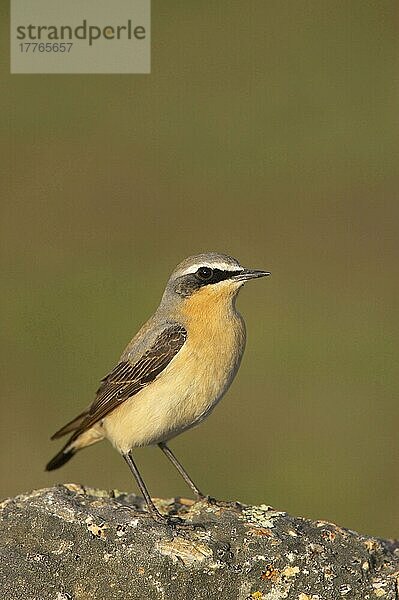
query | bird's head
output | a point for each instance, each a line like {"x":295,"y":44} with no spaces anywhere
{"x":207,"y":279}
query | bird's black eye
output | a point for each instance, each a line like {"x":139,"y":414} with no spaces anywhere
{"x":204,"y":273}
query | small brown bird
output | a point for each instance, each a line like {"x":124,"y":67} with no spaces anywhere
{"x":173,"y":372}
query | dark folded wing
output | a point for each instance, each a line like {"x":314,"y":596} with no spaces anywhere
{"x":127,"y":379}
{"x":73,"y":425}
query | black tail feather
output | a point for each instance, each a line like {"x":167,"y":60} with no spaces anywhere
{"x":60,"y":459}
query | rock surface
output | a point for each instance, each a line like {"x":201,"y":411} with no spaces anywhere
{"x":74,"y":543}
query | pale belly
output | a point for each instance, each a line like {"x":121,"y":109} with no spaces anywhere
{"x":182,"y":396}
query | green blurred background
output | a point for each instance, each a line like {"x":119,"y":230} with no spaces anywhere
{"x":267,"y":130}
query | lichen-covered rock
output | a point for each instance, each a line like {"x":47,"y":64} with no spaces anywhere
{"x":74,"y":543}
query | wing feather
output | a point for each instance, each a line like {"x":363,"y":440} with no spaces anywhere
{"x":127,"y":379}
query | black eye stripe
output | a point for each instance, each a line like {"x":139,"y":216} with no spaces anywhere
{"x":185,"y":285}
{"x":220,"y":275}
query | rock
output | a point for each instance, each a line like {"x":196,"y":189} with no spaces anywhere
{"x":73,"y":543}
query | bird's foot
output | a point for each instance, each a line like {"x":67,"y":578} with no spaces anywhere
{"x":207,"y":499}
{"x":174,"y":522}
{"x":222,"y":503}
{"x":233,"y":504}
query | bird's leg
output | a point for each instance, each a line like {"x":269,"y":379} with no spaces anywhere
{"x":168,"y":452}
{"x":151,"y":506}
{"x":173,"y":522}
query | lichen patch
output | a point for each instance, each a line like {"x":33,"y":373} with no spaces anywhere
{"x":261,"y":515}
{"x":97,"y":530}
{"x":290,"y":571}
{"x":185,"y":551}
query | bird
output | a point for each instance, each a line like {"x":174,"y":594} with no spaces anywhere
{"x":173,"y":372}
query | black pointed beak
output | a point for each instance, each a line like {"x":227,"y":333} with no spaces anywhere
{"x":247,"y":274}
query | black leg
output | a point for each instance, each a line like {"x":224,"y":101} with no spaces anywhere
{"x":168,"y":452}
{"x":151,"y":506}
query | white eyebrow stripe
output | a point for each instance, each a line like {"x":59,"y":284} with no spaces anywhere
{"x":212,"y":265}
